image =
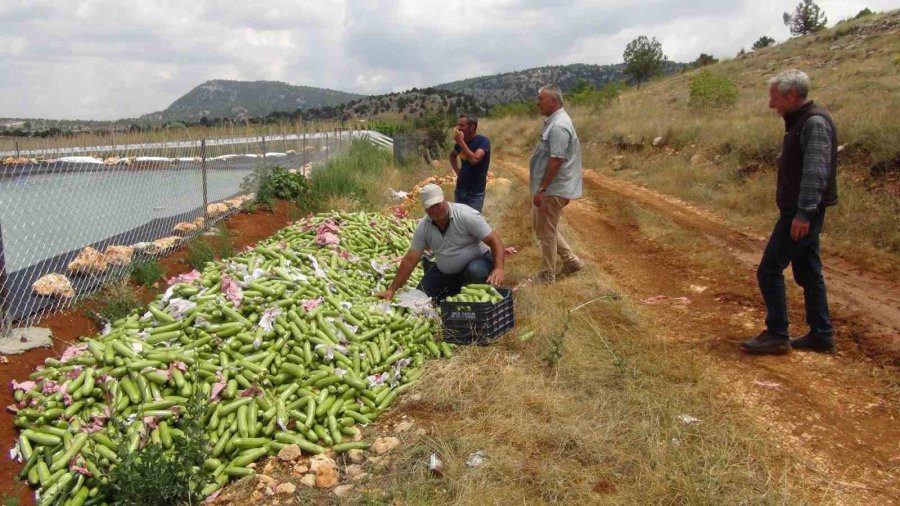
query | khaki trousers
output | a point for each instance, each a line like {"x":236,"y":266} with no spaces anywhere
{"x":545,"y":220}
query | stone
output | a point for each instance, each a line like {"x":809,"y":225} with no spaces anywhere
{"x":290,"y":453}
{"x":263,"y":481}
{"x":300,"y":470}
{"x":319,"y":461}
{"x":617,"y":162}
{"x":696,"y":159}
{"x":383,"y":445}
{"x":659,"y":141}
{"x":89,"y":261}
{"x":286,"y":488}
{"x":269,"y":467}
{"x":256,"y":496}
{"x":343,"y":490}
{"x":326,"y":477}
{"x":55,"y":285}
{"x":118,"y":255}
{"x":358,"y":436}
{"x":360,"y":477}
{"x":184,"y":228}
{"x":353,"y":470}
{"x":403,"y":426}
{"x":308,"y":481}
{"x":356,"y":456}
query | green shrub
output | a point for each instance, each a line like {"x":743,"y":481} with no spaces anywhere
{"x":147,"y":271}
{"x":598,"y":99}
{"x":275,"y":183}
{"x":199,"y":252}
{"x":157,"y":476}
{"x":114,"y":301}
{"x":226,"y":246}
{"x":711,"y":91}
{"x":523,"y":108}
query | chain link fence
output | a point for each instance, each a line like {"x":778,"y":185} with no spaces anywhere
{"x":73,"y":218}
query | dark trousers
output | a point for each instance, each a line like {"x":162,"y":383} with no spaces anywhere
{"x":439,"y":285}
{"x":803,"y":257}
{"x":475,"y":200}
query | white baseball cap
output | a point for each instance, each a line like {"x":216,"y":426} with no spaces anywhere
{"x":431,"y":194}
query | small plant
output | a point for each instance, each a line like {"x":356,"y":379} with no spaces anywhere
{"x":199,"y":252}
{"x":156,"y":475}
{"x":710,"y":91}
{"x":226,"y":247}
{"x":276,"y":183}
{"x":116,"y":300}
{"x":147,"y":271}
{"x":763,"y":42}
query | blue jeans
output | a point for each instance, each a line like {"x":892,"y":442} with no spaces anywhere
{"x":439,"y":285}
{"x":475,"y":200}
{"x":803,"y":256}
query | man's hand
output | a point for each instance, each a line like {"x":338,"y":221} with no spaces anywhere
{"x":459,"y":137}
{"x":496,"y":277}
{"x":538,"y":199}
{"x":799,"y":229}
{"x":386,"y":295}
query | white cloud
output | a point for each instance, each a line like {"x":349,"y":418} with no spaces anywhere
{"x":106,"y":59}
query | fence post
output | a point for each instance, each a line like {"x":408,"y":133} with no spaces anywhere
{"x":203,"y":171}
{"x":264,"y":152}
{"x":17,"y":150}
{"x":5,"y":320}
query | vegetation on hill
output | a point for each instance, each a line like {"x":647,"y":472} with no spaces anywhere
{"x":723,"y":157}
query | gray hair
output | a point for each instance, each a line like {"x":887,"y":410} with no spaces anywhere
{"x":792,"y":79}
{"x":554,"y":91}
{"x":471,"y":119}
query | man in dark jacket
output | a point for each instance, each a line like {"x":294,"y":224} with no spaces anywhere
{"x":806,"y":185}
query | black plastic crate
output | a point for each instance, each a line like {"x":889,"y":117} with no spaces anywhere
{"x":477,"y":322}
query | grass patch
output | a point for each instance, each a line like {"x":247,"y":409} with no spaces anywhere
{"x":147,"y":271}
{"x":358,"y":180}
{"x":114,"y":301}
{"x":199,"y":252}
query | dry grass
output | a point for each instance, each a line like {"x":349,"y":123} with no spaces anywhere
{"x":853,"y":76}
{"x":602,"y":426}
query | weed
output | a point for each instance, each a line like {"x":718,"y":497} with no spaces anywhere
{"x":199,"y":252}
{"x":712,"y":91}
{"x":147,"y":271}
{"x":155,"y":475}
{"x":114,"y":301}
{"x":225,"y":244}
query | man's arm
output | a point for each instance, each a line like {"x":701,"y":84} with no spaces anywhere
{"x":814,"y":176}
{"x":409,"y":262}
{"x":553,"y":166}
{"x":496,"y":245}
{"x":454,"y":164}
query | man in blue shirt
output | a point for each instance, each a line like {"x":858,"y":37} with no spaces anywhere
{"x":475,"y":151}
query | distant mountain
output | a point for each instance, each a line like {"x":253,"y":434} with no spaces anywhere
{"x":246,"y":99}
{"x":523,"y":84}
{"x":406,"y":105}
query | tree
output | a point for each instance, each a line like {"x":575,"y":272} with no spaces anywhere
{"x":644,"y":59}
{"x":705,"y":59}
{"x":807,"y":18}
{"x":764,"y":41}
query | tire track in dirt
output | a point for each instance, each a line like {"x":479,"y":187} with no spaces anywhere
{"x":828,"y":412}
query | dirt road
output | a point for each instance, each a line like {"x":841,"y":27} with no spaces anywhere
{"x":837,"y":415}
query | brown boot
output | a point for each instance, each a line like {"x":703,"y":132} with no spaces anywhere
{"x":572,"y":267}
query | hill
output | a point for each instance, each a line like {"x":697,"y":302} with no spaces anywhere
{"x":245,"y":99}
{"x":523,"y":84}
{"x":722,"y":158}
{"x":406,"y":105}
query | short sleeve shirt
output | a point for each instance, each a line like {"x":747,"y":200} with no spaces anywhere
{"x":473,"y":178}
{"x":558,"y":140}
{"x":461,"y":243}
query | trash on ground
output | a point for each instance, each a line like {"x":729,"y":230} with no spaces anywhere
{"x":475,"y":459}
{"x":689,"y":420}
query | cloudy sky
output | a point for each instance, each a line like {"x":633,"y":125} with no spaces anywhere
{"x":109,"y":59}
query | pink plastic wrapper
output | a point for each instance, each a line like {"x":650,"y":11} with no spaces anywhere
{"x":218,"y":386}
{"x":72,"y":352}
{"x":232,"y":291}
{"x":188,"y":277}
{"x":309,"y":305}
{"x":24,"y":386}
{"x":327,"y":239}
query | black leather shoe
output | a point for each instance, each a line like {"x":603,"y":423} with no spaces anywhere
{"x":768,"y":343}
{"x":812,"y":342}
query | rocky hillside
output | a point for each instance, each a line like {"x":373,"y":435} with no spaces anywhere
{"x":406,"y":105}
{"x":244,"y":99}
{"x":523,"y":84}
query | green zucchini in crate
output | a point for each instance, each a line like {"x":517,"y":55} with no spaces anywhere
{"x":478,"y":315}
